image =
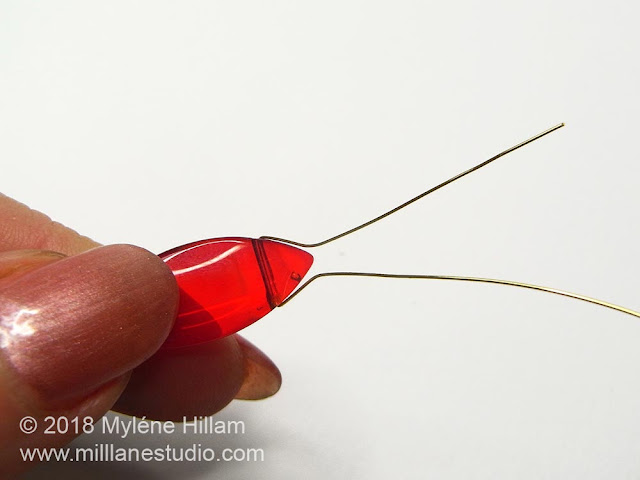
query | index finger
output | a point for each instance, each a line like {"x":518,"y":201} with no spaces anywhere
{"x":24,"y":228}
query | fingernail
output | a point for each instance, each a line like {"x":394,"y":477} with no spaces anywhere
{"x":261,"y":376}
{"x":20,"y":262}
{"x":73,"y":325}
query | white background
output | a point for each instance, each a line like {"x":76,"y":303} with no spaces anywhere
{"x":159,"y":123}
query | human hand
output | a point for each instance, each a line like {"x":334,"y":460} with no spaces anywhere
{"x":80,"y":327}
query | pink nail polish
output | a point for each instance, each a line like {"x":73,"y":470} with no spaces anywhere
{"x":262,"y":378}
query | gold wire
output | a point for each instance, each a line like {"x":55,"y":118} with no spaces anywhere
{"x":467,"y":279}
{"x":512,"y":283}
{"x":416,"y":198}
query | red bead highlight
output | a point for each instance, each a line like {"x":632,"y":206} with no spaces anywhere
{"x":227,"y":284}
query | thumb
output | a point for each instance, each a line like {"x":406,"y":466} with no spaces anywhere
{"x":71,"y":330}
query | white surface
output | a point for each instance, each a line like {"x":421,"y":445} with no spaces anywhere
{"x":159,"y":123}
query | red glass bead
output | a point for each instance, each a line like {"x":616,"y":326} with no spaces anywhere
{"x":226,"y":284}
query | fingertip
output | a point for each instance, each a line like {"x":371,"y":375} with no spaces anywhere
{"x":96,"y":315}
{"x":146,"y":290}
{"x":24,"y":227}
